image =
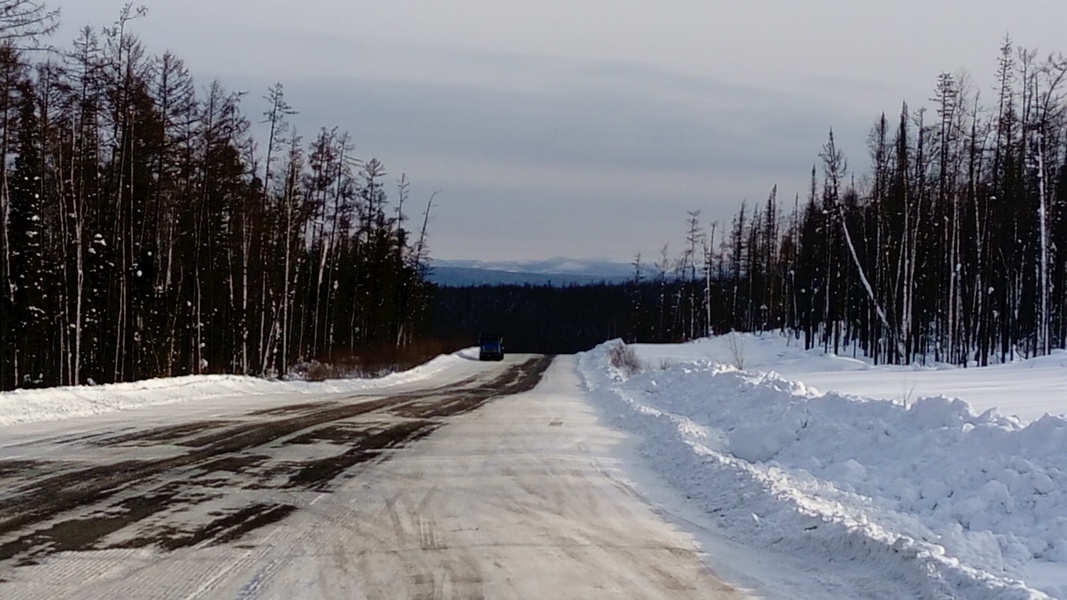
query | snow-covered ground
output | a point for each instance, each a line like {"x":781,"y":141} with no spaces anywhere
{"x":28,"y":406}
{"x":951,"y":480}
{"x":523,"y":498}
{"x":801,"y":475}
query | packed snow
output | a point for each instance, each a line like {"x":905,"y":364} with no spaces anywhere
{"x":946,"y":482}
{"x":951,"y":480}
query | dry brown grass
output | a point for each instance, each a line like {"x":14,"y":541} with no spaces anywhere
{"x":625,"y":359}
{"x":374,"y":360}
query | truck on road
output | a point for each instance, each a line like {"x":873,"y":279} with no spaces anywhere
{"x":490,"y":347}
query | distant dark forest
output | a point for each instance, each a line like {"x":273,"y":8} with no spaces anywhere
{"x":564,"y":320}
{"x":540,"y":319}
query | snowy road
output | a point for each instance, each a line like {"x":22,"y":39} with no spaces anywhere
{"x":467,"y":487}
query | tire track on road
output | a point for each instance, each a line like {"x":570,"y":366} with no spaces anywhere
{"x":77,"y":508}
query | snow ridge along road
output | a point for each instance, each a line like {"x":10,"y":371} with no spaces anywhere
{"x":269,"y":498}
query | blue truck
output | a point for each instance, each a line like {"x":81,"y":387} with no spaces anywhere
{"x":490,"y":347}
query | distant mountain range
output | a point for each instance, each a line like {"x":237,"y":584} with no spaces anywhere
{"x":552,"y":271}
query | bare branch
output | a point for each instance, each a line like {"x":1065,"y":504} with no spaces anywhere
{"x":24,"y":22}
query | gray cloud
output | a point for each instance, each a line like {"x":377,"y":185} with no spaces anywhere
{"x":561,"y":168}
{"x":587,"y":128}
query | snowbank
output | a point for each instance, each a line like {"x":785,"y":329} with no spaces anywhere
{"x":958,"y":504}
{"x":1026,"y":389}
{"x":25,"y":406}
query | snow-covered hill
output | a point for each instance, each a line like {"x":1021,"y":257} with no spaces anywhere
{"x":553,"y":271}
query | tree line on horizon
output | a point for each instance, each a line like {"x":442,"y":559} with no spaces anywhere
{"x":951,"y":247}
{"x":146,"y":233}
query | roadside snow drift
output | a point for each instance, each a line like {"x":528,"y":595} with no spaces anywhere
{"x":958,"y":504}
{"x":26,"y":406}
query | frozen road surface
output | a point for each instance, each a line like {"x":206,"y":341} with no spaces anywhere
{"x":487,"y":481}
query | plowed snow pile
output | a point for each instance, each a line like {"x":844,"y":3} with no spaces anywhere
{"x":28,"y":406}
{"x":925,"y":489}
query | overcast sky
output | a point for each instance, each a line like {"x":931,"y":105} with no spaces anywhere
{"x":587,"y":128}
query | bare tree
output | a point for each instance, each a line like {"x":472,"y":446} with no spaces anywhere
{"x":23,"y":23}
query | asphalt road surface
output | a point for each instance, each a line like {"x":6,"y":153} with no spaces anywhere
{"x":491,"y":482}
